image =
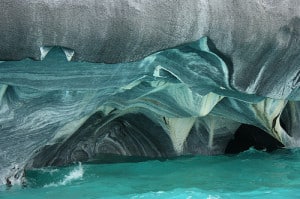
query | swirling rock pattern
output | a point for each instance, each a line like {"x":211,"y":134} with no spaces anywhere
{"x":148,"y":80}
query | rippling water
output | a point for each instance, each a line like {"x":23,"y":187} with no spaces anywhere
{"x":251,"y":174}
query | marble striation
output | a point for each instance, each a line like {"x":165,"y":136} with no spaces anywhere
{"x":90,"y":80}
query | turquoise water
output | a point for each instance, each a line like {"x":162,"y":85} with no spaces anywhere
{"x":251,"y":174}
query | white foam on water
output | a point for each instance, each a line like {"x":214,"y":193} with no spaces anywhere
{"x":50,"y":171}
{"x":177,"y":193}
{"x":75,"y":174}
{"x":213,"y":197}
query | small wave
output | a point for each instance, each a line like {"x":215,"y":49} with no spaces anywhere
{"x":177,"y":193}
{"x":50,"y":171}
{"x":213,"y":197}
{"x":75,"y":174}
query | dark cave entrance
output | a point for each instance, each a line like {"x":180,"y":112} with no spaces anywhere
{"x":248,"y":136}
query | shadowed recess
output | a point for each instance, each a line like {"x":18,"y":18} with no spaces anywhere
{"x":132,"y":137}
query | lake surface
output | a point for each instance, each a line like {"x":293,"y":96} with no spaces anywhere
{"x":251,"y":174}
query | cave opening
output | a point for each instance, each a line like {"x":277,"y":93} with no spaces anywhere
{"x":247,"y":136}
{"x":108,"y":139}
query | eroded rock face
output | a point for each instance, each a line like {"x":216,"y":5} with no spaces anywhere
{"x":198,"y":70}
{"x":98,"y":31}
{"x":99,"y":138}
{"x":253,"y":37}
